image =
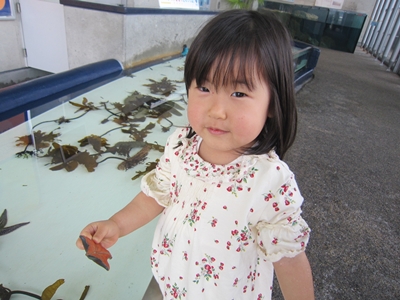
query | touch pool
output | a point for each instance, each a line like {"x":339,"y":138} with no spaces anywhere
{"x":124,"y":124}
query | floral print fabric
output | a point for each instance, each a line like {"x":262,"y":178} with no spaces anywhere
{"x":223,"y":225}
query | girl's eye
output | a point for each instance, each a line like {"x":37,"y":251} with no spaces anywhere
{"x":239,"y":94}
{"x":203,"y":89}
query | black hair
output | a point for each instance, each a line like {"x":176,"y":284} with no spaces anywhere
{"x":238,"y":44}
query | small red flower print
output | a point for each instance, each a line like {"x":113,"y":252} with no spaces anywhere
{"x":176,"y":292}
{"x":278,"y":168}
{"x":213,"y":222}
{"x":235,"y":282}
{"x":229,"y":189}
{"x":176,"y":153}
{"x":251,"y":210}
{"x":275,"y":241}
{"x":275,"y":204}
{"x":268,"y":196}
{"x":218,"y":185}
{"x":185,"y":255}
{"x":287,"y":202}
{"x":208,"y":270}
{"x":283,"y":189}
{"x":167,"y":160}
{"x":224,"y":207}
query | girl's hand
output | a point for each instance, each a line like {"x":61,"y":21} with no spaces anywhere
{"x":105,"y":233}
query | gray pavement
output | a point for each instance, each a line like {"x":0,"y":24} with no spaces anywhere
{"x":347,"y":163}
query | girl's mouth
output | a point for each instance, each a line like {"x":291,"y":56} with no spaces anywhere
{"x":216,"y":131}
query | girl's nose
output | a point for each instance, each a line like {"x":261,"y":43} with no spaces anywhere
{"x":217,"y":108}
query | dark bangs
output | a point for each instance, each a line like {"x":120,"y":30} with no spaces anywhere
{"x":226,"y":55}
{"x":237,"y":46}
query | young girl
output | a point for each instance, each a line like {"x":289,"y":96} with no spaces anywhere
{"x":230,"y":208}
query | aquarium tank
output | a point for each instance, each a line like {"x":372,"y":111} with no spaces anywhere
{"x":323,"y":27}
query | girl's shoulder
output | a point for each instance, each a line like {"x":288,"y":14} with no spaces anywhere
{"x":271,"y":168}
{"x":178,"y":137}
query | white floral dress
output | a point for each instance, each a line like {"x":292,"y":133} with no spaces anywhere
{"x":223,"y":225}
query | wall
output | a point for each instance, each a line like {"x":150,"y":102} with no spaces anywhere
{"x":132,"y":39}
{"x":155,"y":36}
{"x":93,"y":36}
{"x":11,"y":45}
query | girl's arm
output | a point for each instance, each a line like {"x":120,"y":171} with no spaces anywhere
{"x":141,"y":210}
{"x":295,"y":278}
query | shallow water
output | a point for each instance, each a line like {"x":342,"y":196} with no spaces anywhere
{"x":58,"y":204}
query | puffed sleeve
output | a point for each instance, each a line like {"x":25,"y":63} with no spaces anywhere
{"x":156,"y":184}
{"x":282,"y":232}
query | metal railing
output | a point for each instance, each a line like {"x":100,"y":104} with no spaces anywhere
{"x":382,"y":38}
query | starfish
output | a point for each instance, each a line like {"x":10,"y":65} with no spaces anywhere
{"x":3,"y":222}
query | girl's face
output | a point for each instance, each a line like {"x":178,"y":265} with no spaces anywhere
{"x":227,"y":118}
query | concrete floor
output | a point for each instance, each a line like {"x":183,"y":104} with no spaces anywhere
{"x":347,"y":163}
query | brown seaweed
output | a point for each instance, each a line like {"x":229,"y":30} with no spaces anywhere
{"x":47,"y":294}
{"x":95,"y":141}
{"x":124,"y":148}
{"x":86,"y":105}
{"x":150,"y":167}
{"x":136,"y":159}
{"x":68,"y":157}
{"x":38,"y":139}
{"x":3,"y":222}
{"x":61,"y":120}
{"x":139,"y":135}
{"x":164,"y":87}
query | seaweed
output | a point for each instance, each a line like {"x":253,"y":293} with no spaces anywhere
{"x":38,"y":139}
{"x":130,"y":115}
{"x":86,"y":105}
{"x":68,"y":157}
{"x":47,"y":294}
{"x":95,"y":141}
{"x":124,"y":148}
{"x":3,"y":222}
{"x":139,"y":135}
{"x":61,"y":120}
{"x":136,"y":159}
{"x":164,"y":87}
{"x":150,"y":166}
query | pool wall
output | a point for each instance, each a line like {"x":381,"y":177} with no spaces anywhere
{"x":96,"y":32}
{"x":132,"y":37}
